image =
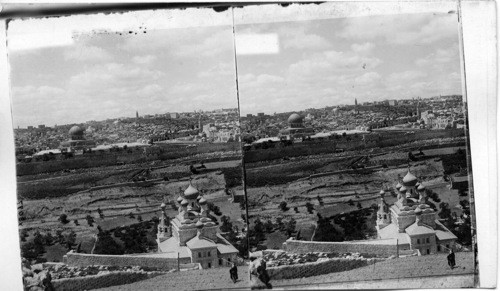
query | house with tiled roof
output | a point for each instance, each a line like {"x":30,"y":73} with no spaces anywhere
{"x":411,"y":221}
{"x":193,"y":234}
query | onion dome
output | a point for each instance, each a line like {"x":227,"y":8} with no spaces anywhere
{"x":409,"y":179}
{"x":179,"y":199}
{"x":382,"y":193}
{"x":421,"y":187}
{"x":191,"y":192}
{"x":184,"y":202}
{"x":398,"y":185}
{"x":163,"y":205}
{"x":199,"y":224}
{"x":418,"y":211}
{"x":202,"y":201}
{"x":402,"y":189}
{"x":210,"y":223}
{"x":294,"y":118}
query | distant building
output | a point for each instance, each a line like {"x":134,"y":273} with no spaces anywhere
{"x":77,"y":141}
{"x":174,"y":115}
{"x":260,"y":114}
{"x":41,"y":126}
{"x":412,"y":221}
{"x":296,"y":129}
{"x":392,"y":102}
{"x":193,"y":235}
{"x":249,"y":115}
{"x":30,"y":127}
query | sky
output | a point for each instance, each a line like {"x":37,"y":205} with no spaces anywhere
{"x":71,"y":70}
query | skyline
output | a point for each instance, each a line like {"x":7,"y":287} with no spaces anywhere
{"x":104,"y":74}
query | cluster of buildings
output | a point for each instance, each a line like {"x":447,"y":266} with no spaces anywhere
{"x":211,"y":126}
{"x":431,"y":113}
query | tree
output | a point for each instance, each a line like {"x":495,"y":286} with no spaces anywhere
{"x":75,"y":221}
{"x":283,"y":206}
{"x":350,"y":202}
{"x":48,"y":239}
{"x":290,"y":226}
{"x":445,"y":210}
{"x":139,"y":218}
{"x":310,"y":207}
{"x":63,"y":218}
{"x":226,"y":226}
{"x":106,"y":245}
{"x":90,"y":220}
{"x":359,"y":205}
{"x":243,"y":217}
{"x":296,"y":209}
{"x":101,"y":214}
{"x":155,"y":220}
{"x":325,"y":231}
{"x":70,"y":239}
{"x":320,"y":200}
{"x":131,"y":215}
{"x":214,"y":208}
{"x":279,"y":222}
{"x":268,"y":226}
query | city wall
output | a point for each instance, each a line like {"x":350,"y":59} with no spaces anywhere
{"x":82,"y":260}
{"x":101,"y":281}
{"x":317,"y":268}
{"x":352,"y":142}
{"x":379,"y":248}
{"x":106,"y":158}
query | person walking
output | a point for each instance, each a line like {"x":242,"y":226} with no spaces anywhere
{"x":451,"y":259}
{"x":233,"y":272}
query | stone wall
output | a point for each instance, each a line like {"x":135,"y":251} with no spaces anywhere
{"x":379,"y":248}
{"x":317,"y":268}
{"x":82,"y":260}
{"x":100,"y":281}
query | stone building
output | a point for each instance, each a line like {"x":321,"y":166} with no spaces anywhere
{"x":77,"y":141}
{"x":193,"y":235}
{"x":296,"y":129}
{"x":411,"y":221}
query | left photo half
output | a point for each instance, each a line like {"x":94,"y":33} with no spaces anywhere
{"x":128,"y":153}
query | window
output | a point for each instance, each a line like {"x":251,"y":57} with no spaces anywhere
{"x":199,"y":255}
{"x":418,"y":241}
{"x":439,"y":248}
{"x":220,"y":262}
{"x":428,"y":251}
{"x":385,"y":216}
{"x":209,"y":254}
{"x":209,"y":265}
{"x":427,"y":240}
{"x":229,"y":259}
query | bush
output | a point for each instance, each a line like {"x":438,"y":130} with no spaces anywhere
{"x":63,"y":218}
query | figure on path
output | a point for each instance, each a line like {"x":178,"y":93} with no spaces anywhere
{"x":233,"y":272}
{"x":451,"y":259}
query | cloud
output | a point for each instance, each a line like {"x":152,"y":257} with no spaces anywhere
{"x":84,"y":53}
{"x":368,"y":78}
{"x":406,"y":76}
{"x":144,"y":60}
{"x":401,"y":29}
{"x":364,"y":48}
{"x":440,"y":57}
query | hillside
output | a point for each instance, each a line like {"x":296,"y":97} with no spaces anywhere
{"x":424,"y":266}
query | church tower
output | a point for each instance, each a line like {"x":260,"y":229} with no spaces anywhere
{"x":383,"y":216}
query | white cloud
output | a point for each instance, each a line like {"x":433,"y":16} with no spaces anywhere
{"x":363,"y":48}
{"x":401,"y":29}
{"x":144,"y":60}
{"x":368,"y":78}
{"x":406,"y":76}
{"x":85,"y":53}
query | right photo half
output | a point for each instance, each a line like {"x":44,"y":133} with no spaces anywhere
{"x":355,"y":142}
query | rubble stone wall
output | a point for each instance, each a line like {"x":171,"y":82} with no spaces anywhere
{"x":82,"y":260}
{"x":100,"y":281}
{"x":382,"y":248}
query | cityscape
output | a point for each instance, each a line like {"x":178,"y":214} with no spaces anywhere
{"x":339,"y":159}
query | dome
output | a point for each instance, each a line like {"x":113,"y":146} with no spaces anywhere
{"x":418,"y":211}
{"x":199,"y":224}
{"x":421,"y":187}
{"x":409,"y":179}
{"x":179,"y":199}
{"x":398,"y":185}
{"x":162,"y":206}
{"x":382,"y":193}
{"x":76,"y":130}
{"x":202,"y":201}
{"x":295,"y":118}
{"x":402,"y":189}
{"x":184,"y":202}
{"x":191,"y":192}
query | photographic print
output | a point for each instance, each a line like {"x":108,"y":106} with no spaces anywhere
{"x":355,"y":149}
{"x":127,"y":149}
{"x":252,"y":146}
